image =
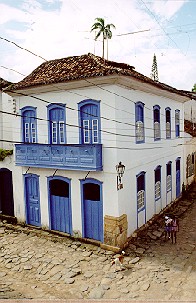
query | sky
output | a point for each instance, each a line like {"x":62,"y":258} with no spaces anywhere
{"x":52,"y":29}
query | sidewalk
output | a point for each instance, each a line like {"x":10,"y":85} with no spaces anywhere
{"x":36,"y":264}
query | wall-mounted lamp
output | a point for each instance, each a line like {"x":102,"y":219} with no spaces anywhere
{"x":120,"y":168}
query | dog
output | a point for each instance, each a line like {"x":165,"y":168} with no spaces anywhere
{"x":118,"y":261}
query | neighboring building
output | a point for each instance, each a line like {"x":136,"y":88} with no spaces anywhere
{"x":190,"y":108}
{"x":190,"y":140}
{"x":79,"y":117}
{"x":190,"y":151}
{"x":6,"y":150}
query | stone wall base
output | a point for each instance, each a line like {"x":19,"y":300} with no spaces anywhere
{"x":115,"y":230}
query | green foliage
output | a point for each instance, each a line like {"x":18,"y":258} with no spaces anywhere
{"x":194,"y":88}
{"x":101,"y":29}
{"x":4,"y":153}
{"x":154,"y":72}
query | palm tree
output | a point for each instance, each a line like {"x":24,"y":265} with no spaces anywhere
{"x":103,"y":29}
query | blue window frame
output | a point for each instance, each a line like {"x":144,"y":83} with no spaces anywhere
{"x":89,"y":121}
{"x":168,"y":122}
{"x":56,"y":127}
{"x":169,"y":176}
{"x":178,"y":177}
{"x":177,"y":122}
{"x":157,"y":182}
{"x":139,"y":122}
{"x":29,"y":124}
{"x":141,"y":191}
{"x":156,"y":118}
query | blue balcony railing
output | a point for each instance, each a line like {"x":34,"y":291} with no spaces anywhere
{"x":69,"y":156}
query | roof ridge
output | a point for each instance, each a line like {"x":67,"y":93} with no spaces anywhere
{"x":108,"y":64}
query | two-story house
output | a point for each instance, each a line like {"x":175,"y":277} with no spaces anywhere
{"x":78,"y":118}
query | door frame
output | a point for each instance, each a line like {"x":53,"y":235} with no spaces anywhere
{"x":94,"y":181}
{"x":26,"y":176}
{"x":67,"y":180}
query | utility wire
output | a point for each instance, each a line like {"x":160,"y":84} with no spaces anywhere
{"x":27,"y":50}
{"x":161,"y":26}
{"x":104,"y":146}
{"x":80,"y":127}
{"x":84,"y":79}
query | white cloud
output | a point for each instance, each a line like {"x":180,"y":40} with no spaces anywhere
{"x":12,"y":14}
{"x":167,"y":8}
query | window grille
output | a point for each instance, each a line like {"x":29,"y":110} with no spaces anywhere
{"x":169,"y":183}
{"x":158,"y":190}
{"x":139,"y":131}
{"x":157,"y":131}
{"x":140,"y":199}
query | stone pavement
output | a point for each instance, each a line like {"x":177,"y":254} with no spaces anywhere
{"x":36,"y":264}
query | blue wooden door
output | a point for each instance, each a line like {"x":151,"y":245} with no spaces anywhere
{"x":33,"y":216}
{"x":90,"y":124}
{"x":178,"y":178}
{"x":93,"y":211}
{"x":60,"y":206}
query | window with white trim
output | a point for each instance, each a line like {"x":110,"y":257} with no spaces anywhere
{"x":140,"y":191}
{"x":156,"y":116}
{"x":89,"y":122}
{"x":61,"y":132}
{"x":158,"y":183}
{"x":86,"y":131}
{"x":95,"y":130}
{"x":29,"y":124}
{"x":168,"y":122}
{"x":139,"y":122}
{"x":56,"y":116}
{"x":169,"y":177}
{"x":54,"y":132}
{"x":27,"y":133}
{"x":177,"y":122}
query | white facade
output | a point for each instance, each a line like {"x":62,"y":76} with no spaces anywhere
{"x":117,"y":111}
{"x":6,"y":105}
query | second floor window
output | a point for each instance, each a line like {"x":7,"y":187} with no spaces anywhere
{"x":168,"y":122}
{"x":89,"y":122}
{"x":158,"y":183}
{"x":139,"y":122}
{"x":157,"y":130}
{"x":56,"y":117}
{"x":177,"y":122}
{"x":29,"y":124}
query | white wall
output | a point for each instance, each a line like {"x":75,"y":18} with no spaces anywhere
{"x":146,"y":156}
{"x":136,"y":157}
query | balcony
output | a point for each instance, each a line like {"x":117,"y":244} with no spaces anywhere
{"x":68,"y":157}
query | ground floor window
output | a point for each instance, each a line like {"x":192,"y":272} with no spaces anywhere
{"x":158,"y":183}
{"x":141,"y":191}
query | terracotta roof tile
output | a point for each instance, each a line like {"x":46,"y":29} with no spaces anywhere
{"x":3,"y":83}
{"x":81,"y":67}
{"x":190,"y":128}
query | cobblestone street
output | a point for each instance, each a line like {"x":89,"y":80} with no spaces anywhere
{"x":36,"y":264}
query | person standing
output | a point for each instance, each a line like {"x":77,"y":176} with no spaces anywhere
{"x":174,"y":228}
{"x":168,"y":227}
